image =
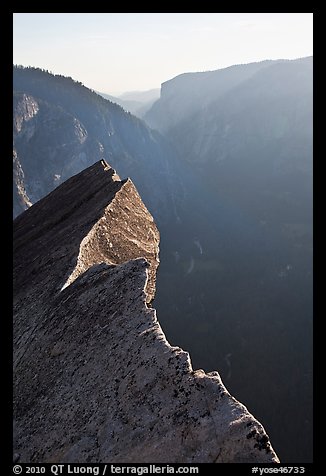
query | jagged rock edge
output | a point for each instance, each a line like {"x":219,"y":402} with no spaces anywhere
{"x":236,"y":414}
{"x":179,"y":353}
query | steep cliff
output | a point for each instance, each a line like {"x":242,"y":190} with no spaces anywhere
{"x":248,"y":140}
{"x":240,"y":111}
{"x":188,"y":93}
{"x":95,"y":379}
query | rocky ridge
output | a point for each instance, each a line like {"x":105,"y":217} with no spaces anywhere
{"x":95,"y":379}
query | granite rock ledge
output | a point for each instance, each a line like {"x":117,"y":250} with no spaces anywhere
{"x":95,"y":379}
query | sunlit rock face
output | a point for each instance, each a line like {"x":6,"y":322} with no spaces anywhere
{"x":95,"y":379}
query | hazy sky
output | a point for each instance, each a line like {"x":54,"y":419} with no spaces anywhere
{"x":117,"y":52}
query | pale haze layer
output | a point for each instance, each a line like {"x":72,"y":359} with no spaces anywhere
{"x":118,"y":52}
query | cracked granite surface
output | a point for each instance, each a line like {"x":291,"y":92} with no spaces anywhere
{"x":95,"y":378}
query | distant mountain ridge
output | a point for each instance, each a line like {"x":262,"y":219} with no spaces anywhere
{"x":189,"y":93}
{"x":242,"y":255}
{"x":136,"y":102}
{"x":142,"y":96}
{"x":64,"y":127}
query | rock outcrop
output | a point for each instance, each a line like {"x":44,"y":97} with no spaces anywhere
{"x":95,"y":379}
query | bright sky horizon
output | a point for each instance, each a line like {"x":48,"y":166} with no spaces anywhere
{"x":119,"y":52}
